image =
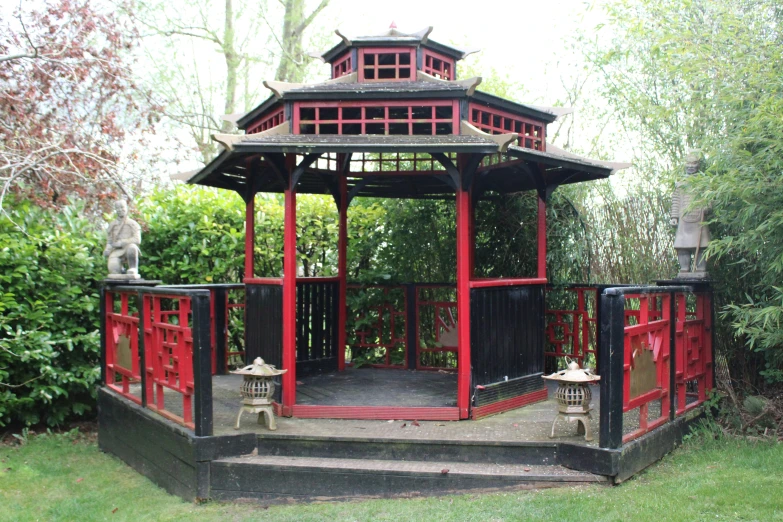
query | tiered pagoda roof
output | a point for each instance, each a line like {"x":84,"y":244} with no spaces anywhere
{"x":394,"y":111}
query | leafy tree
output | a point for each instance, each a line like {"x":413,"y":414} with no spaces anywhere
{"x":695,"y":73}
{"x":68,"y":102}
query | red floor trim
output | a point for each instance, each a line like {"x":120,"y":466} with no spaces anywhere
{"x":375,"y":412}
{"x":509,"y":404}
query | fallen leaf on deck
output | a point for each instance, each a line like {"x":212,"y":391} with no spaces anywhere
{"x":404,"y":424}
{"x":527,"y":469}
{"x":444,"y":471}
{"x":416,"y":423}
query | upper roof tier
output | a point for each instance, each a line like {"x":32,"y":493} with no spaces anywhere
{"x":394,"y":38}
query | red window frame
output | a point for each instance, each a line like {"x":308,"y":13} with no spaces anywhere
{"x":343,"y":65}
{"x":386,"y":120}
{"x":532,"y":133}
{"x":437,"y":65}
{"x":267,"y":121}
{"x":364,"y":52}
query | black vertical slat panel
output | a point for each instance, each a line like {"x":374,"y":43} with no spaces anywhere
{"x":301,"y":347}
{"x":306,"y":318}
{"x":264,"y":323}
{"x":506,"y":332}
{"x":326,"y":350}
{"x":202,"y":365}
{"x":317,"y":321}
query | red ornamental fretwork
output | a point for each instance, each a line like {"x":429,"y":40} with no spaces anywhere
{"x":168,"y":350}
{"x":647,"y":362}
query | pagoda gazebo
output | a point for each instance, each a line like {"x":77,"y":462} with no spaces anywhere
{"x":394,"y":121}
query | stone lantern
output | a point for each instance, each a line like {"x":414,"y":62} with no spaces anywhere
{"x":258,"y":387}
{"x":573,"y":397}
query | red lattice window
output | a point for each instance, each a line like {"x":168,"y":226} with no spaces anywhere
{"x":493,"y":121}
{"x":387,"y":64}
{"x":343,"y":66}
{"x":271,"y":119}
{"x":437,"y":65}
{"x":426,"y":117}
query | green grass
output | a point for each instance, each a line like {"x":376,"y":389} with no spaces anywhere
{"x":65,"y":477}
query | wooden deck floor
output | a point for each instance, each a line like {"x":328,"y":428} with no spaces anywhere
{"x":531,"y":423}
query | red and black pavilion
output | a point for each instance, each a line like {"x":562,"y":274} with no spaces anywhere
{"x":395,"y":121}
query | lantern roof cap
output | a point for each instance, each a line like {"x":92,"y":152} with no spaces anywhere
{"x":259,"y":368}
{"x":573,"y":374}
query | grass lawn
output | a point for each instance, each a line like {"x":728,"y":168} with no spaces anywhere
{"x":66,"y":477}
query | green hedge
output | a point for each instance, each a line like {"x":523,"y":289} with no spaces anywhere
{"x":49,"y":342}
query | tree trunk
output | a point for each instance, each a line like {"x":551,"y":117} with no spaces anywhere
{"x":292,"y":60}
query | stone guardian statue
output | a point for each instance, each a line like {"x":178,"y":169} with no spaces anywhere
{"x":692,"y":236}
{"x":123,"y":238}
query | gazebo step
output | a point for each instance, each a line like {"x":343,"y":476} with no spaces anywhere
{"x":479,"y":452}
{"x":312,"y":478}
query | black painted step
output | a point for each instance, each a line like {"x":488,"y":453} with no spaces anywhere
{"x":279,"y":478}
{"x":479,"y":452}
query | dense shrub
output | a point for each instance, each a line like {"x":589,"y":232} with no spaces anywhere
{"x":49,"y":342}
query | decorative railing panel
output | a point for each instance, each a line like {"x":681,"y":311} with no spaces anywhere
{"x":573,"y":333}
{"x":377,"y":333}
{"x":655,"y":358}
{"x":647,"y":362}
{"x":436,"y":327}
{"x":693,"y":336}
{"x":168,"y":342}
{"x":170,"y":351}
{"x":123,"y":366}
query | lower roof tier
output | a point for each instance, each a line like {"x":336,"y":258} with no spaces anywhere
{"x":391,"y":166}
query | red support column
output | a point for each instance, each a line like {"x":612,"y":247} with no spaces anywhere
{"x":289,"y":301}
{"x":342,"y":271}
{"x":541,"y":238}
{"x":463,"y":302}
{"x":250,"y":236}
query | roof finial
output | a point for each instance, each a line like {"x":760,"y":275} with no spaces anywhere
{"x":393,"y":25}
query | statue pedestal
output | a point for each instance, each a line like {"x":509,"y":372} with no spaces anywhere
{"x":699,"y":284}
{"x":115,"y":281}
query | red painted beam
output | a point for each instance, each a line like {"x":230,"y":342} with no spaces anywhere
{"x":375,"y":412}
{"x":250,"y":237}
{"x":263,"y":281}
{"x":486,"y":283}
{"x":342,"y":270}
{"x":463,"y":302}
{"x":541,"y":239}
{"x":509,"y":404}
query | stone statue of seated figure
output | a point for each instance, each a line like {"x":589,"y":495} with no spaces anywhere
{"x":123,"y":238}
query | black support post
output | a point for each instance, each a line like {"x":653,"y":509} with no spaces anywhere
{"x":202,"y":365}
{"x":610,"y":366}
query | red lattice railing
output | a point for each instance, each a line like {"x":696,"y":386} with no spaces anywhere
{"x":647,"y":362}
{"x":122,"y":344}
{"x":380,"y":335}
{"x":693,"y":352}
{"x":436,"y":318}
{"x":573,"y":333}
{"x":168,"y":345}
